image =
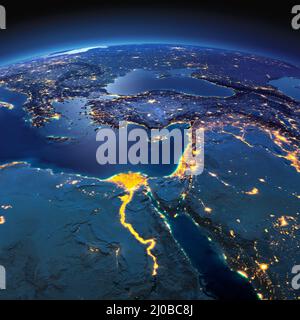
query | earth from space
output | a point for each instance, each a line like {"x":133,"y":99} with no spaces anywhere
{"x":72,"y":229}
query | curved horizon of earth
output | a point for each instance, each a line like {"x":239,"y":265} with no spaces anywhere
{"x":230,"y":233}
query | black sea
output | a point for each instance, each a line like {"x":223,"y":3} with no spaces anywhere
{"x":180,"y":80}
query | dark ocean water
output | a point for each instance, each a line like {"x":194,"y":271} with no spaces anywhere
{"x":20,"y":141}
{"x":219,"y":280}
{"x":139,"y":81}
{"x":289,"y":86}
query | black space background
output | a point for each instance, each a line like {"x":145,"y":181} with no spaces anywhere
{"x":257,"y":24}
{"x":274,"y":12}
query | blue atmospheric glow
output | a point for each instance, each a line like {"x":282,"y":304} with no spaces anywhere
{"x":46,"y":51}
